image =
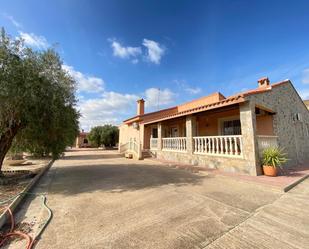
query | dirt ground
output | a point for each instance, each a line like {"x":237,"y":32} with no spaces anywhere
{"x":12,"y":189}
{"x":101,"y":200}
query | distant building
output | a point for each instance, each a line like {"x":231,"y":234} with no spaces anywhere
{"x":228,"y":133}
{"x":82,"y":140}
{"x":307,"y":103}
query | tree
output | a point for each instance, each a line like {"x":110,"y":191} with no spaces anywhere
{"x":95,"y":136}
{"x":37,"y":100}
{"x":110,"y":135}
{"x":106,"y":134}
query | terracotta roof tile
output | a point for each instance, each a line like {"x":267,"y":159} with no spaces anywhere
{"x":222,"y":101}
{"x":225,"y":102}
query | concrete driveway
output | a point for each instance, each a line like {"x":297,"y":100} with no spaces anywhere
{"x":101,"y":200}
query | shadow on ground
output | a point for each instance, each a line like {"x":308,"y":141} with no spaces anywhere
{"x":118,"y":178}
{"x":92,"y":157}
{"x":83,"y":149}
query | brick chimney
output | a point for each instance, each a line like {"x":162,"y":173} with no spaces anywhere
{"x":140,"y":107}
{"x":264,"y":82}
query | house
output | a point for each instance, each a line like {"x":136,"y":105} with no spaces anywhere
{"x":82,"y":140}
{"x":307,"y":103}
{"x":225,"y":133}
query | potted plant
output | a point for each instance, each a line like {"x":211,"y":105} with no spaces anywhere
{"x":273,"y":157}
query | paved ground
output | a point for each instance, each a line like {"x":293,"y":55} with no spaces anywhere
{"x":282,"y":224}
{"x":101,"y":200}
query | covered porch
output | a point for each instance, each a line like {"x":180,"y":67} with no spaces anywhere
{"x":233,"y":135}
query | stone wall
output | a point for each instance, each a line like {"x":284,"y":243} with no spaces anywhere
{"x":292,"y":135}
{"x":307,"y":103}
{"x":249,"y":139}
{"x":227,"y":164}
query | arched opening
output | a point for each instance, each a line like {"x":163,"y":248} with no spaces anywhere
{"x":85,"y":141}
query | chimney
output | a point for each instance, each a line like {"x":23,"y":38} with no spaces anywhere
{"x":264,"y":82}
{"x":140,"y":107}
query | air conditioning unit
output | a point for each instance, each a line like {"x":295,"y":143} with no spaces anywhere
{"x":135,"y":125}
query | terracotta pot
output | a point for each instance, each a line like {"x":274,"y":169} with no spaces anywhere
{"x":269,"y":170}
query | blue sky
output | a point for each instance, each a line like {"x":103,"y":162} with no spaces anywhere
{"x":119,"y":51}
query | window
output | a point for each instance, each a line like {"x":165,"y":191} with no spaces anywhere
{"x":155,"y":132}
{"x":231,"y":127}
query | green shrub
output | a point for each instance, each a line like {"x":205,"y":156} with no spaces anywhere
{"x":274,"y":156}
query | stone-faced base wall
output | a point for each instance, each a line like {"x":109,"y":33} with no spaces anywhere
{"x":228,"y":164}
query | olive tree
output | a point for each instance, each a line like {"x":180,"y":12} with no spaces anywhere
{"x":110,"y":135}
{"x":95,"y":136}
{"x":37,"y":100}
{"x":106,"y":134}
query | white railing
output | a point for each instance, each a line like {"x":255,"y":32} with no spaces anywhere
{"x":153,"y":143}
{"x":174,"y":144}
{"x":123,"y":147}
{"x":218,"y":145}
{"x":133,"y":146}
{"x":266,"y":142}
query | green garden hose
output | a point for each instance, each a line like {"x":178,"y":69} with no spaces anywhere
{"x":43,"y":198}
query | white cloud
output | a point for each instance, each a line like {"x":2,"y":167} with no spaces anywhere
{"x":118,"y":101}
{"x":134,"y":61}
{"x":85,"y":83}
{"x":155,"y":97}
{"x":33,"y":40}
{"x":125,"y":52}
{"x":183,"y":85}
{"x":154,"y":51}
{"x":193,"y":90}
{"x":12,"y":20}
{"x":304,"y":94}
{"x":305,"y":78}
{"x":111,"y":108}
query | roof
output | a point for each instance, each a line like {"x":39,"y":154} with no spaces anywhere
{"x":212,"y":101}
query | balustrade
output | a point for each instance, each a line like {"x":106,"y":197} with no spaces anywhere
{"x":174,"y":144}
{"x":218,"y":145}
